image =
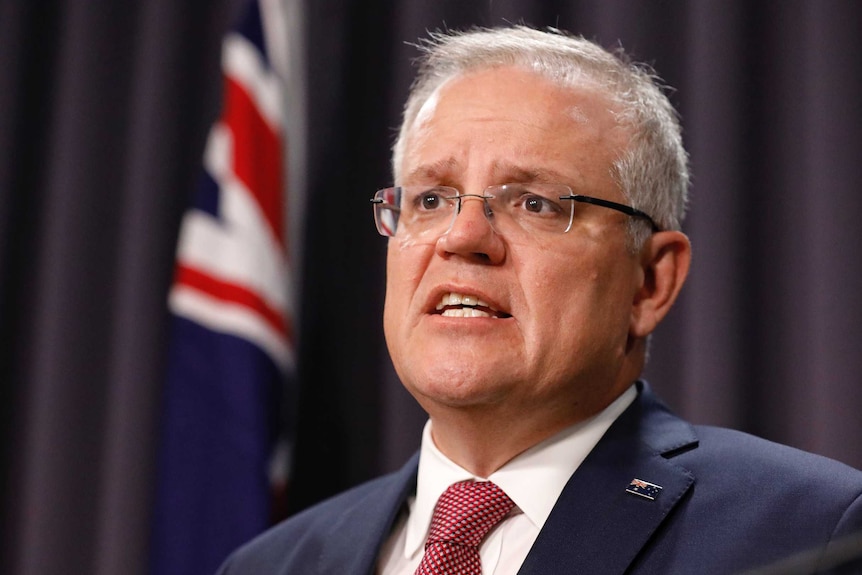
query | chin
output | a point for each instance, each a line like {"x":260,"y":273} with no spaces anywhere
{"x":456,"y":388}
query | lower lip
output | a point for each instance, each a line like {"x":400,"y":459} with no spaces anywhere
{"x":468,"y":322}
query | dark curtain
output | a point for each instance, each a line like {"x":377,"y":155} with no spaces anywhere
{"x":104,"y":108}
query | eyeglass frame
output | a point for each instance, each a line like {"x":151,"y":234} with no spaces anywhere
{"x":625,"y":209}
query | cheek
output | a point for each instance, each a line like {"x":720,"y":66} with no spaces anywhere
{"x":574,"y":305}
{"x":556,"y":282}
{"x":405,"y":267}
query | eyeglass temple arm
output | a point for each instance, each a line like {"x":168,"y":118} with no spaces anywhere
{"x":614,"y":206}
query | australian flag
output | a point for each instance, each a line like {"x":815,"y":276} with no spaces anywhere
{"x":644,"y":489}
{"x":231,"y":346}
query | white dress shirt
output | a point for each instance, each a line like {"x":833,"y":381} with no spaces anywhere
{"x":533,"y":480}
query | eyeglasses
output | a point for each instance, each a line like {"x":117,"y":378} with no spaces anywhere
{"x":421,"y":212}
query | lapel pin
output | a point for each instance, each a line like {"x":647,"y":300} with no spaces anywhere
{"x":644,"y":489}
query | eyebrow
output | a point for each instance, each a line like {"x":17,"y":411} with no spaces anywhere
{"x":435,"y":171}
{"x":519,"y":174}
{"x":446,"y":168}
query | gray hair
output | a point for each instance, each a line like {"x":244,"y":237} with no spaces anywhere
{"x":652,"y":172}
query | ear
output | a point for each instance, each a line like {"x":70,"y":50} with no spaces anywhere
{"x":664,"y":260}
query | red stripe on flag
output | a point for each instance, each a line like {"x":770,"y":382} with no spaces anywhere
{"x":257,"y":153}
{"x":230,"y":292}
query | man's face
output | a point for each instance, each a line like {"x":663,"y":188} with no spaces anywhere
{"x":560,"y":304}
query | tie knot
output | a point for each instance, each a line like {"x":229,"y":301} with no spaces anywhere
{"x":467,"y":511}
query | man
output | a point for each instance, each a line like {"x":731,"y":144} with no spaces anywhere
{"x":534,"y":246}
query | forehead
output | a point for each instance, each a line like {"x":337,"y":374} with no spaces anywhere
{"x":509,"y":118}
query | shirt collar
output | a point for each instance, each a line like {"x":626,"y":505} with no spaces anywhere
{"x":549,"y":464}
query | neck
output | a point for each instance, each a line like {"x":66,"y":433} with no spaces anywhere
{"x":481,"y":449}
{"x":483,"y":439}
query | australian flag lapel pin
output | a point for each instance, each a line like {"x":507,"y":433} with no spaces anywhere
{"x":644,"y":489}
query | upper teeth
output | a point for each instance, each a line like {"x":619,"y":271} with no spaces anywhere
{"x":460,"y":299}
{"x":450,"y":299}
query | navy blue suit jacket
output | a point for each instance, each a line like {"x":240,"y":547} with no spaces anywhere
{"x":729,"y":502}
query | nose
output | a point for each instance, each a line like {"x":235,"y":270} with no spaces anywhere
{"x":471,"y":235}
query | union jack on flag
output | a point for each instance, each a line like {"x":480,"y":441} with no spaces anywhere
{"x":231,"y":349}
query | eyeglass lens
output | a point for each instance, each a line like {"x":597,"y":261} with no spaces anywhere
{"x":420,"y":212}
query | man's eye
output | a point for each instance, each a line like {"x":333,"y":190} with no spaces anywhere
{"x":430,"y":200}
{"x":538,"y":205}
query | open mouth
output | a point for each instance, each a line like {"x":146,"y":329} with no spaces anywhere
{"x":465,"y":305}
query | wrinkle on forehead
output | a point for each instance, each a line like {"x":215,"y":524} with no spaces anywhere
{"x":501,"y":171}
{"x":426,"y":111}
{"x":590,"y":115}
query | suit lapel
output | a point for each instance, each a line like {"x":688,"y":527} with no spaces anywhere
{"x":597,"y":526}
{"x":356,"y":537}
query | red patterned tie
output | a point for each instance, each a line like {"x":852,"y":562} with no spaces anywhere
{"x":464,"y":514}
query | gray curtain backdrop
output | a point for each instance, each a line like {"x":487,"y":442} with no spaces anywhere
{"x":104,"y":108}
